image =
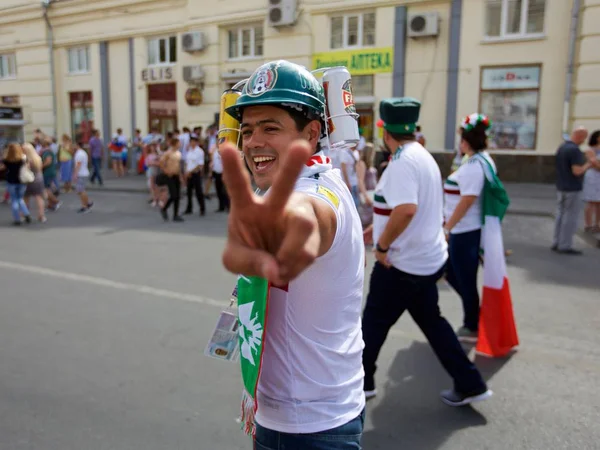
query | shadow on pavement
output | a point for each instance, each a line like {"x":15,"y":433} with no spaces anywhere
{"x":408,"y":412}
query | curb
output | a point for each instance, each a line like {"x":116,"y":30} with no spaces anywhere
{"x":589,"y":239}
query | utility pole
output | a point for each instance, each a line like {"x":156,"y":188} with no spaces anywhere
{"x":50,"y":42}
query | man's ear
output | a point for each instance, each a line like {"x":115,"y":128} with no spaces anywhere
{"x":314,"y":132}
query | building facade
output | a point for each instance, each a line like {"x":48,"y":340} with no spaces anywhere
{"x":67,"y":66}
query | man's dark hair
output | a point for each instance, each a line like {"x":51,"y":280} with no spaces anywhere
{"x":176,"y":131}
{"x":301,"y":121}
{"x":137,"y":130}
{"x":186,"y":130}
{"x":476,"y":137}
{"x":119,"y":130}
{"x":402,"y":136}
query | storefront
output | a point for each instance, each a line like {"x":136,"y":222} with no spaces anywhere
{"x":82,"y":116}
{"x":510,"y":97}
{"x":162,"y":99}
{"x":364,"y":66}
{"x":11,"y":125}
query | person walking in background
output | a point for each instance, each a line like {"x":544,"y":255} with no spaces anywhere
{"x":211,"y":146}
{"x":194,"y":167}
{"x":151,"y":161}
{"x":170,"y":165}
{"x":35,"y":189}
{"x":217,"y":171}
{"x":13,"y":160}
{"x":117,"y":145}
{"x":348,"y":160}
{"x":81,"y":174}
{"x":462,"y":221}
{"x":591,"y":185}
{"x":570,"y":169}
{"x":411,"y":254}
{"x":367,"y":181}
{"x":65,"y":159}
{"x":96,"y":152}
{"x":49,"y":174}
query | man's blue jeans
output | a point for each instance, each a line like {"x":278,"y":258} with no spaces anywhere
{"x":96,"y":168}
{"x":344,"y":437}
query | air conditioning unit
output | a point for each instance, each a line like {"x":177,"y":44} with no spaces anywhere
{"x":194,"y":41}
{"x":193,"y":74}
{"x":282,"y":13}
{"x":423,"y":24}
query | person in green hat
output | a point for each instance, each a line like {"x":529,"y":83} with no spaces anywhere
{"x":411,"y":253}
{"x":298,"y":246}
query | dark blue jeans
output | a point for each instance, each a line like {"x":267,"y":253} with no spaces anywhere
{"x":344,"y":437}
{"x":461,"y":273}
{"x":96,"y":168}
{"x":392,"y":292}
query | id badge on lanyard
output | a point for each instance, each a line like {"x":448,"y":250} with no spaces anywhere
{"x":224,"y":342}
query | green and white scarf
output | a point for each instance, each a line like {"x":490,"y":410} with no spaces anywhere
{"x":253,"y":307}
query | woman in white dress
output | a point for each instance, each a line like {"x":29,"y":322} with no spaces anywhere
{"x":591,"y":185}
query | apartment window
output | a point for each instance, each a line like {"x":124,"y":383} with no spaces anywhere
{"x":510,"y":98}
{"x":353,"y":30}
{"x":514,"y":18}
{"x":79,"y":59}
{"x":8,"y":66}
{"x":162,"y":51}
{"x":246,"y":42}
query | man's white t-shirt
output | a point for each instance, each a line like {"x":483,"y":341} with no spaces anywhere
{"x":469,"y":178}
{"x":184,"y":141}
{"x":82,"y":157}
{"x":349,"y":159}
{"x":217,"y":162}
{"x":312,"y":374}
{"x":194,"y":158}
{"x":413,"y":177}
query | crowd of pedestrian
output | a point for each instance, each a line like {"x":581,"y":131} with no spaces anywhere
{"x":35,"y":170}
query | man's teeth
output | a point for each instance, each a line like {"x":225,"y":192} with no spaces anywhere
{"x":258,"y":159}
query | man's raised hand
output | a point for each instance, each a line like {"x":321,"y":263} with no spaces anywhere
{"x":275,"y":237}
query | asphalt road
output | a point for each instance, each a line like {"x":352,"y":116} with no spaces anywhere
{"x":104,"y":318}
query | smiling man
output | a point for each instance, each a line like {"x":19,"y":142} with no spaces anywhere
{"x":303,"y":236}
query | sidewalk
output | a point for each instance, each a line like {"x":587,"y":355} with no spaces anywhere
{"x":526,"y":199}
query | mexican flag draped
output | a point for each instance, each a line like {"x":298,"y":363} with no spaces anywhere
{"x":252,"y":297}
{"x":497,"y":329}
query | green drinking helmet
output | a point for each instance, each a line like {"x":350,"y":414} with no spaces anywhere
{"x":282,"y":83}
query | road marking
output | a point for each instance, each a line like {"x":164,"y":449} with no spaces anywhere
{"x":532,"y":351}
{"x":104,"y":282}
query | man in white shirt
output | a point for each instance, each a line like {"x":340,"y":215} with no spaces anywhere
{"x":194,"y":166}
{"x":184,"y":139}
{"x":216,"y":166}
{"x":303,"y":237}
{"x":81,"y":173}
{"x":411,"y":253}
{"x":348,"y":160}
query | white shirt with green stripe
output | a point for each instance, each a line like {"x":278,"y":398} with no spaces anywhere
{"x":467,"y":180}
{"x":413,"y":177}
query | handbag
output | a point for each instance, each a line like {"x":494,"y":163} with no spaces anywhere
{"x":26,"y":176}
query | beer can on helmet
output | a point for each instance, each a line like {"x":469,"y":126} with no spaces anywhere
{"x":342,"y":123}
{"x":229,"y":128}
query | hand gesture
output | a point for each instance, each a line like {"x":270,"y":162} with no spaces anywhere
{"x":275,"y":237}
